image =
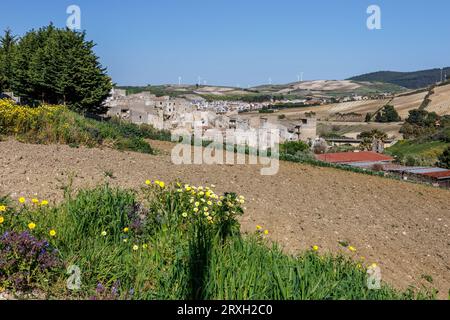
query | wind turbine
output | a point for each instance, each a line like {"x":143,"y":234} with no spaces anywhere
{"x":179,"y":81}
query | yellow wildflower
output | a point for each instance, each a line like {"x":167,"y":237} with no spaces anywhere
{"x":31,"y":226}
{"x":52,"y":233}
{"x":135,"y":247}
{"x":266,"y":232}
{"x":44,"y":202}
{"x":352,"y":249}
{"x":22,"y":200}
{"x":126,"y":229}
{"x":148,"y":182}
{"x":315,"y":248}
{"x":162,"y":184}
{"x":104,"y":233}
{"x":184,"y":214}
{"x":196,"y":210}
{"x":35,"y":200}
{"x":2,"y":208}
{"x":144,"y":246}
{"x":209,"y":203}
{"x":2,"y":219}
{"x":197,"y":204}
{"x":258,"y":227}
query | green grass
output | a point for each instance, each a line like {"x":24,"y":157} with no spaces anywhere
{"x":57,"y":124}
{"x":176,"y":256}
{"x":418,"y":153}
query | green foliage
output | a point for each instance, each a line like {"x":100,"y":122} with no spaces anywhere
{"x":293,"y":147}
{"x":387,"y":114}
{"x":56,"y":66}
{"x":266,"y":110}
{"x":57,"y":124}
{"x":411,"y":80}
{"x":412,"y":152}
{"x":162,"y":249}
{"x":7,"y":51}
{"x":444,"y":159}
{"x":421,"y":124}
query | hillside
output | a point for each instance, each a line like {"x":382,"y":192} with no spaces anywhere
{"x":296,"y":90}
{"x":410,"y":80}
{"x":400,"y":226}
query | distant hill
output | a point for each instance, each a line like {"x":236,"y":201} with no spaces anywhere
{"x":295,"y":90}
{"x":410,"y":80}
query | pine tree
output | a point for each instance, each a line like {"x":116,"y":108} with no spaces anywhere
{"x":7,"y":49}
{"x":59,"y":66}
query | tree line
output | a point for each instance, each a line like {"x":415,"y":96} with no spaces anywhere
{"x":55,"y":66}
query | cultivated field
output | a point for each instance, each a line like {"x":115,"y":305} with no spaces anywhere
{"x":407,"y":103}
{"x":440,"y":101}
{"x":401,"y":226}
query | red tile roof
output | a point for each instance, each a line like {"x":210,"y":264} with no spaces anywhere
{"x":438,"y":175}
{"x":348,"y":157}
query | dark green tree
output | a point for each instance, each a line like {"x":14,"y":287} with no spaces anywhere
{"x":387,"y":114}
{"x":59,"y":66}
{"x":444,"y":159}
{"x":7,"y":50}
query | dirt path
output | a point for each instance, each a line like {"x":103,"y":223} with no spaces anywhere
{"x":402,"y":227}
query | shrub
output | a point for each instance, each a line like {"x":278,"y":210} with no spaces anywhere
{"x":57,"y":124}
{"x":387,"y":114}
{"x":444,"y":159}
{"x":26,"y":261}
{"x":292,"y":147}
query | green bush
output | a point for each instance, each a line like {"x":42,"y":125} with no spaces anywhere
{"x":57,"y":124}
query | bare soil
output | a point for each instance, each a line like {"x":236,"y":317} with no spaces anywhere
{"x":403,"y":227}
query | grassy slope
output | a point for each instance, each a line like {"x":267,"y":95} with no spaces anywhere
{"x":57,"y":124}
{"x":411,"y":80}
{"x":175,"y":257}
{"x":425,"y":152}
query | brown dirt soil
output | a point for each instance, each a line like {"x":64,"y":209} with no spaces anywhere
{"x":440,"y":101}
{"x":401,"y":226}
{"x":405,"y":104}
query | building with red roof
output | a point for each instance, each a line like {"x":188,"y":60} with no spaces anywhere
{"x":354,"y":157}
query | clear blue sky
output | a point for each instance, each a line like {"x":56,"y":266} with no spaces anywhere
{"x":245,"y":42}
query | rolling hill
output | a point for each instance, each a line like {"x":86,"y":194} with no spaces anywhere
{"x":410,"y":80}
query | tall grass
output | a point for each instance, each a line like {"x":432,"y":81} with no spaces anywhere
{"x":160,"y":248}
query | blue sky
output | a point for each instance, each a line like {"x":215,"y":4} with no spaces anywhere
{"x":233,"y":42}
